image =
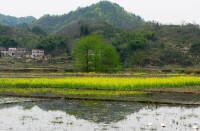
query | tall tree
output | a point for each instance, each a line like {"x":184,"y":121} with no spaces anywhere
{"x":93,"y":54}
{"x":84,"y":31}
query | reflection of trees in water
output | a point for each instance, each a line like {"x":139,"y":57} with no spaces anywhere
{"x":94,"y":111}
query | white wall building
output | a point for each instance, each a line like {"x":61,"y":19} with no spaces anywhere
{"x":3,"y":51}
{"x":37,"y":53}
{"x":12,"y":51}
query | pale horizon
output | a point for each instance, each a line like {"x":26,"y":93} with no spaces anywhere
{"x":163,"y":11}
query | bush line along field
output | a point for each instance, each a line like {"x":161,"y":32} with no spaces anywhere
{"x":106,"y":83}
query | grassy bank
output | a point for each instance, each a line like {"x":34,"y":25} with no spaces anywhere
{"x":102,"y":95}
{"x":58,"y":93}
{"x":65,"y":92}
{"x":107,"y":83}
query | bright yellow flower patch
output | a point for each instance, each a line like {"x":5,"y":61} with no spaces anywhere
{"x":102,"y":82}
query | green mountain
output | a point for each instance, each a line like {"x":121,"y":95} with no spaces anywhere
{"x":103,"y":11}
{"x":14,"y":21}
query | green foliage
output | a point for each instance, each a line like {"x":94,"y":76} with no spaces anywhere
{"x":4,"y":29}
{"x":84,"y":31}
{"x":7,"y":42}
{"x":195,"y":51}
{"x":109,"y":59}
{"x":93,"y":54}
{"x":38,"y":31}
{"x":139,"y":58}
{"x":128,"y":42}
{"x":177,"y":37}
{"x":175,"y":57}
{"x":53,"y":44}
{"x":63,"y":91}
{"x":164,"y":44}
{"x":23,"y":37}
{"x":81,"y":27}
{"x":104,"y":10}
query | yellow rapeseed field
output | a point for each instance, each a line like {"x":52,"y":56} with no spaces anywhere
{"x":114,"y":83}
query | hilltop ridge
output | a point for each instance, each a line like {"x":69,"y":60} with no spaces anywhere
{"x":103,"y":11}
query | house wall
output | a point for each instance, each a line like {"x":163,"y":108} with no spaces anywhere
{"x":12,"y":51}
{"x":37,"y":53}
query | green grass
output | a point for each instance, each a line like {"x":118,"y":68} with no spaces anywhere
{"x":111,"y":83}
{"x":65,"y":92}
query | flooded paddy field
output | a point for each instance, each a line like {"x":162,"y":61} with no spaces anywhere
{"x":73,"y":115}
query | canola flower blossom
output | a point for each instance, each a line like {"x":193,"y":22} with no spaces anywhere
{"x":114,"y":83}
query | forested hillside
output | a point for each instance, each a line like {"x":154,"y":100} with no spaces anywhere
{"x":22,"y":37}
{"x":157,"y":44}
{"x":138,"y":43}
{"x":103,"y":11}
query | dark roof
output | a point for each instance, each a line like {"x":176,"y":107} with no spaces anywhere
{"x":21,"y":48}
{"x":2,"y":48}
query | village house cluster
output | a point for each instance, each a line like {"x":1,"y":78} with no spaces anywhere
{"x":22,"y":53}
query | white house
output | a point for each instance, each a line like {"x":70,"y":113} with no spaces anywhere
{"x":12,"y":51}
{"x":3,"y":51}
{"x":37,"y":53}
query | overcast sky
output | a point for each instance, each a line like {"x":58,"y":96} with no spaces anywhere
{"x":164,"y":11}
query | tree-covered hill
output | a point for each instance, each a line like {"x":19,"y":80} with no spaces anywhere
{"x":179,"y":37}
{"x":14,"y":21}
{"x":103,"y":11}
{"x":79,"y":28}
{"x":159,"y":44}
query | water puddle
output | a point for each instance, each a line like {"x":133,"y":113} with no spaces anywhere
{"x":97,"y":116}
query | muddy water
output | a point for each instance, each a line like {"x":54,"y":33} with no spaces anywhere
{"x":90,"y":115}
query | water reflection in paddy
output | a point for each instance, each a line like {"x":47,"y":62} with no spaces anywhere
{"x":89,"y":116}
